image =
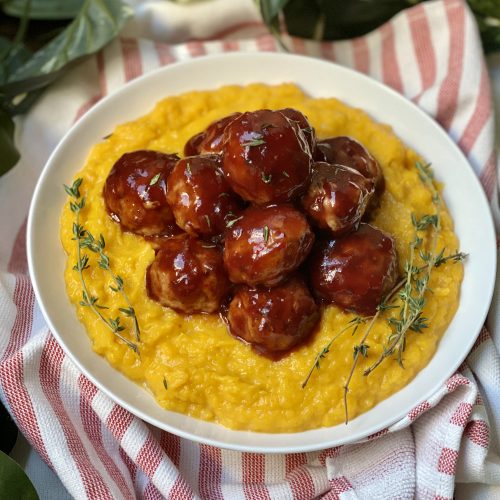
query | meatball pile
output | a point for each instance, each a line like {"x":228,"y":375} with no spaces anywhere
{"x":260,"y":221}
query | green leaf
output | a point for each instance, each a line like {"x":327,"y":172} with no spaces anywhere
{"x":9,"y":155}
{"x":44,"y":9}
{"x":14,"y":483}
{"x":270,"y":9}
{"x":13,"y":55}
{"x":8,"y":436}
{"x":487,"y":14}
{"x":338,"y":19}
{"x":96,"y":24}
{"x":485,"y":7}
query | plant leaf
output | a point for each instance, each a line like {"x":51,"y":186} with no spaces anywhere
{"x":270,"y":9}
{"x":9,"y":155}
{"x":96,"y":24}
{"x":14,"y":483}
{"x":338,"y":19}
{"x":9,"y":432}
{"x":270,"y":12}
{"x":487,"y":14}
{"x":15,"y":55}
{"x":44,"y":9}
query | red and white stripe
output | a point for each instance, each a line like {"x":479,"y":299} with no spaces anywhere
{"x":430,"y":53}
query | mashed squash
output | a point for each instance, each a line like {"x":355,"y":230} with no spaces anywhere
{"x":191,"y":364}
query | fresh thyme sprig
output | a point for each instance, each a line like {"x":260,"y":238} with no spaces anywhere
{"x":88,"y":241}
{"x":354,"y":323}
{"x":417,"y":279}
{"x":362,"y":347}
{"x":85,"y":240}
{"x":409,"y":291}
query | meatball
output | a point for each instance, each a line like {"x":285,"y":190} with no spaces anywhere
{"x":266,"y":157}
{"x":355,"y":271}
{"x":337,"y":197}
{"x":211,"y":139}
{"x":349,"y":152}
{"x":187,"y":275}
{"x":200,"y":197}
{"x":135,"y":192}
{"x":265,"y":244}
{"x":305,"y":126}
{"x":273,"y":319}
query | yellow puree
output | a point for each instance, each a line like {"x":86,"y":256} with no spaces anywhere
{"x":209,"y":374}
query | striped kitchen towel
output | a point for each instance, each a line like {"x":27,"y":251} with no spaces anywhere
{"x":431,"y":53}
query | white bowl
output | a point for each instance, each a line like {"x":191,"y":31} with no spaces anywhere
{"x":462,"y":193}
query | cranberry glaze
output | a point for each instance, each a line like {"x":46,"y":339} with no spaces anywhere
{"x":200,"y":197}
{"x":250,"y":263}
{"x":356,"y":271}
{"x":211,"y":139}
{"x":350,"y":153}
{"x":337,"y":197}
{"x":188,"y":275}
{"x":135,"y":192}
{"x":273,"y":319}
{"x":266,"y":157}
{"x":266,"y":244}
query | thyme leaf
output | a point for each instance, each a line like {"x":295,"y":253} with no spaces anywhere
{"x":154,"y":180}
{"x":232,"y":222}
{"x":257,"y":140}
{"x":266,"y":178}
{"x":266,"y":126}
{"x":265,"y":233}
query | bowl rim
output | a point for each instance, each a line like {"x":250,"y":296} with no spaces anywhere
{"x":239,"y":57}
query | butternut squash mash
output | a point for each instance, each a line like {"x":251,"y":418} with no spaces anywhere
{"x":191,"y":364}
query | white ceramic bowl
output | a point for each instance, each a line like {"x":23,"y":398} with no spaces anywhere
{"x":462,"y":193}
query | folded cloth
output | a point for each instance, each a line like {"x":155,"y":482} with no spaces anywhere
{"x":432,"y":54}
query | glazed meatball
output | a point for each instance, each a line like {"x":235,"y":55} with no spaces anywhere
{"x":135,"y":192}
{"x":188,"y":275}
{"x":200,"y":197}
{"x":273,"y":319}
{"x":337,"y":197}
{"x":211,"y":139}
{"x":266,"y":244}
{"x":305,"y":126}
{"x":266,"y":157}
{"x":355,"y":271}
{"x":349,"y":152}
